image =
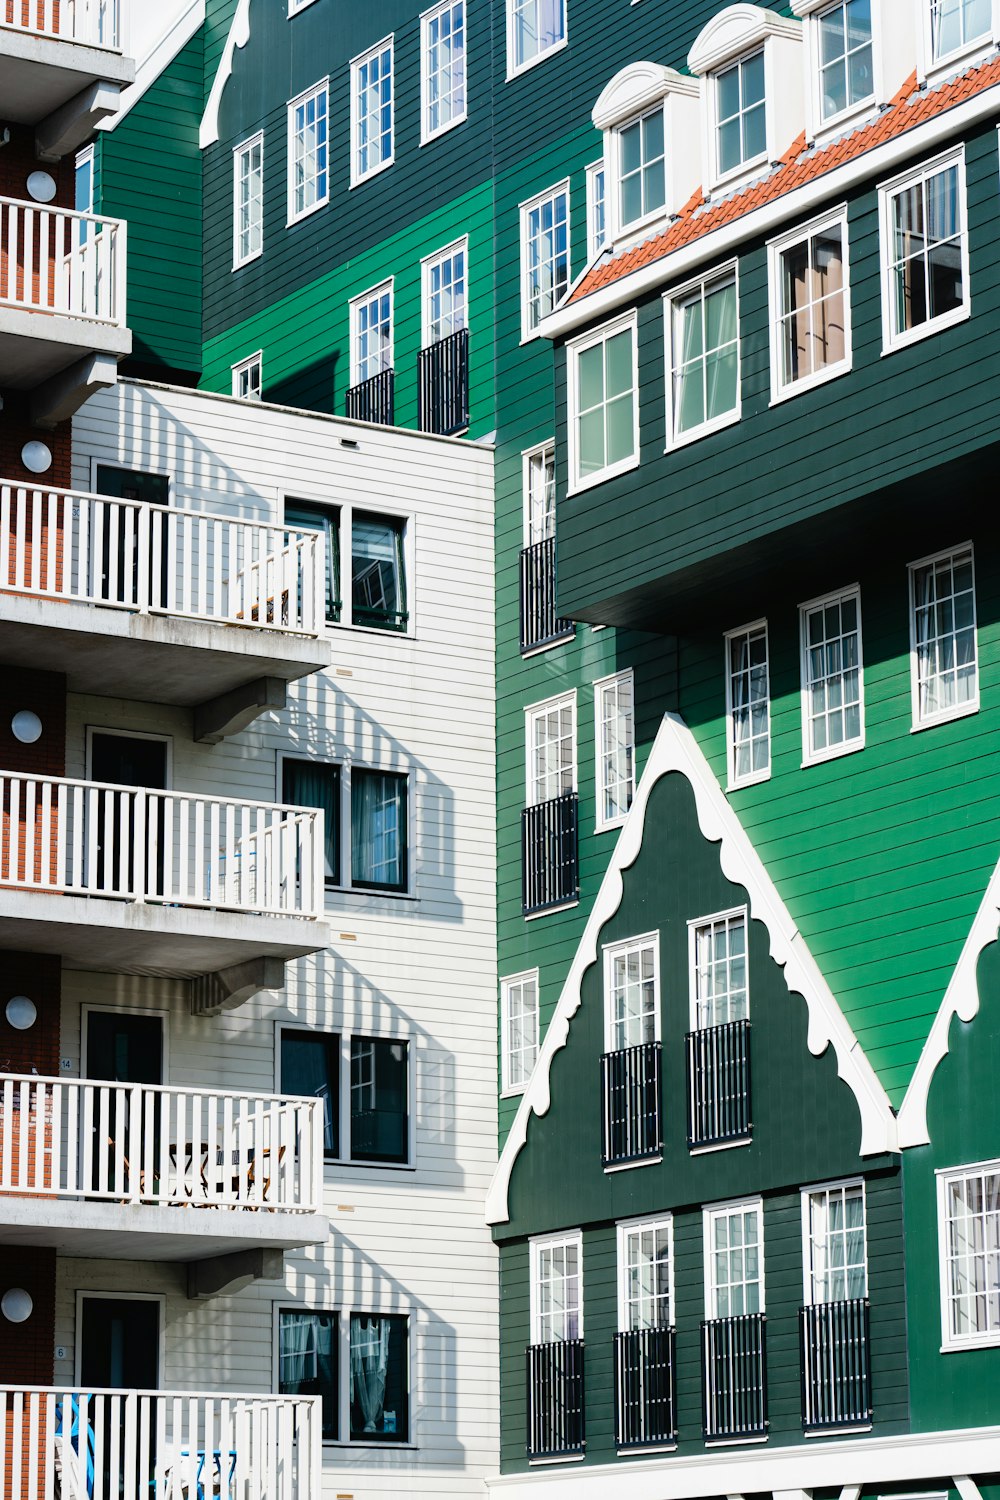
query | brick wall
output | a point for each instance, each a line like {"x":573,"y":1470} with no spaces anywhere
{"x":27,"y":1358}
{"x":44,"y":693}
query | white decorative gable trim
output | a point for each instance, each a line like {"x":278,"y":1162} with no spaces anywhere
{"x":961,"y":999}
{"x":239,"y":35}
{"x":148,"y":68}
{"x":637,"y":88}
{"x":734,"y":31}
{"x":675,"y":749}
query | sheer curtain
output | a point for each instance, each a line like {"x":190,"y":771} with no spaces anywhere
{"x":378,"y":829}
{"x":369,"y":1363}
{"x":305,"y":1350}
{"x":316,"y":784}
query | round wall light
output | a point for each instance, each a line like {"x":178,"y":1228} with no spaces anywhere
{"x":36,"y":457}
{"x":16,"y":1305}
{"x":21,"y":1013}
{"x":26,"y":727}
{"x":42,"y":187}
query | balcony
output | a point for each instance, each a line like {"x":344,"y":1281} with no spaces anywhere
{"x":631,"y":1092}
{"x":157,"y":882}
{"x":734,"y":1376}
{"x":62,"y":304}
{"x":95,"y":1169}
{"x":134,"y":600}
{"x":835,"y":1341}
{"x":718,"y":1085}
{"x":550,"y":875}
{"x":373,"y":400}
{"x":555,"y":1400}
{"x":645,"y":1395}
{"x":540,"y":624}
{"x":443,"y":385}
{"x":158,"y":1445}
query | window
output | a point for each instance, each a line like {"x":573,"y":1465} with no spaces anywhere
{"x":741,"y":121}
{"x":308,"y":182}
{"x":539,"y":495}
{"x":248,"y":200}
{"x":378,"y":584}
{"x":810,"y":320}
{"x":631,"y":993}
{"x":380,"y":1380}
{"x":832,"y":685}
{"x":642,"y":186}
{"x":720,"y":990}
{"x":645,"y":1274}
{"x":835,"y":1258}
{"x":944,"y":672}
{"x":544,"y":255}
{"x":534,"y":27}
{"x":551,"y":743}
{"x":596,"y":218}
{"x":371,"y":112}
{"x":969,"y":1236}
{"x":442,"y":45}
{"x":958,"y":24}
{"x":704,"y":357}
{"x":371,"y":333}
{"x":324,"y":518}
{"x":844,"y":44}
{"x":557,"y":1288}
{"x":294,"y":6}
{"x":310,"y":1068}
{"x":519,"y":1017}
{"x":445,"y":292}
{"x":83,"y":200}
{"x":613,"y":701}
{"x":248,"y":376}
{"x":379,"y":833}
{"x":925,"y":274}
{"x":604,"y":403}
{"x":316,"y":783}
{"x":734,"y":1254}
{"x":748,"y":705}
{"x":308,"y":1356}
{"x":365,"y":1088}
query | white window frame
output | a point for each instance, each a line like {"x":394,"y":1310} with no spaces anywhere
{"x":238,"y":153}
{"x":346,"y":766}
{"x":426,"y":134}
{"x":514,"y":68}
{"x":86,"y":157}
{"x":559,"y":189}
{"x":537,"y":711}
{"x":600,"y":687}
{"x":343,"y":1312}
{"x":806,"y":1195}
{"x":752,"y":778}
{"x":595,"y":245}
{"x":891,"y":339}
{"x":750,"y":168}
{"x":958,"y":710}
{"x":944,"y":1177}
{"x":346,"y":509}
{"x":811,"y":757}
{"x":540,"y":451}
{"x":625,"y":1229}
{"x":679,"y":294}
{"x":961,"y":57}
{"x":550,"y":1242}
{"x":86,"y":1294}
{"x":820,"y":128}
{"x":460,"y":246}
{"x":355,"y":304}
{"x":295,"y":6}
{"x":622,"y":949}
{"x":323,"y":87}
{"x":528,"y":976}
{"x":694,"y":924}
{"x":634,"y":227}
{"x":628,"y":321}
{"x":243,"y":368}
{"x":724,"y":1210}
{"x":780,"y":389}
{"x":357,"y":176}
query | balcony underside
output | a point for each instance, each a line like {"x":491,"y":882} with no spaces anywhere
{"x":36,"y":346}
{"x":41,"y":76}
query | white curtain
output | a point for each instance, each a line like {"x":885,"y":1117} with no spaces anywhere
{"x":369,"y":1361}
{"x":306,"y":1344}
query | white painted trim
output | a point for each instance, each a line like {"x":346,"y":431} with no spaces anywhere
{"x":626,"y":1227}
{"x":958,"y":710}
{"x":627,"y":323}
{"x":782,"y":390}
{"x":893,"y":338}
{"x":534,"y":711}
{"x":239,"y":35}
{"x":88,"y":1007}
{"x":447,"y":252}
{"x":83,"y":1294}
{"x":369,"y":295}
{"x":544,"y":1242}
{"x":811,"y":757}
{"x":603,"y":824}
{"x":805,"y":1195}
{"x":357,"y":177}
{"x":426,"y":136}
{"x":693,"y":927}
{"x":594,"y":247}
{"x":675,"y":749}
{"x":118,"y":733}
{"x":150,"y":68}
{"x":709,"y":1214}
{"x":509,"y":1090}
{"x":679,"y":294}
{"x":753,"y":778}
{"x":514,"y":69}
{"x":120,"y":468}
{"x":735,"y":32}
{"x":314,"y":91}
{"x":524,"y":208}
{"x":944,"y":1176}
{"x":257,"y":358}
{"x":539,"y":450}
{"x":257,"y":139}
{"x":619,"y":949}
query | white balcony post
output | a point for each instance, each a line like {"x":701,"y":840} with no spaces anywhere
{"x":143,"y":526}
{"x":136,"y":840}
{"x":318,"y":1148}
{"x":135,"y":1142}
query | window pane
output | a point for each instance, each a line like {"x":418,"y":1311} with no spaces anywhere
{"x":379,"y":1378}
{"x":307,"y":1361}
{"x":750,"y":745}
{"x":520,"y":999}
{"x":312,"y":783}
{"x":378,"y":595}
{"x":379,"y":1123}
{"x":721,"y":991}
{"x":310,"y":1066}
{"x":327,"y":520}
{"x":944,"y":629}
{"x":378,"y":830}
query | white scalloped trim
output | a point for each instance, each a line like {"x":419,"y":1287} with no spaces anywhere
{"x":675,"y":749}
{"x":239,"y":35}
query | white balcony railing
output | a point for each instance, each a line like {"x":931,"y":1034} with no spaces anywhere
{"x":126,"y":554}
{"x":158,"y":1445}
{"x":53,"y":260}
{"x":97,"y":23}
{"x":89,"y":838}
{"x":121,"y":1142}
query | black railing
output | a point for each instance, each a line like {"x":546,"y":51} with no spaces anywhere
{"x":539,"y":622}
{"x":555,"y":1399}
{"x":443,"y":385}
{"x":718,"y":1069}
{"x":374,"y":399}
{"x":631,"y":1092}
{"x":549,"y":862}
{"x":836,"y":1367}
{"x":733,"y":1375}
{"x":645,"y":1400}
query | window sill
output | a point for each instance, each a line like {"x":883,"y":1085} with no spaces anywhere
{"x":847,"y":119}
{"x":821,"y":757}
{"x":239,"y":264}
{"x":593,"y":480}
{"x":614,"y":827}
{"x":631,"y":1166}
{"x":835,"y":1432}
{"x":383,"y":166}
{"x":428,"y":140}
{"x":560,"y":640}
{"x":958,"y":61}
{"x":737,"y":1442}
{"x":968,"y":1346}
{"x":948,"y":717}
{"x":744,"y":1140}
{"x":336,"y":893}
{"x":563,"y":1458}
{"x":513,"y":1093}
{"x":376,"y":630}
{"x":307,"y":213}
{"x":329,"y":1165}
{"x":650,"y":1448}
{"x":899,"y":341}
{"x":755,"y":780}
{"x":739,"y":177}
{"x":718,"y":424}
{"x":810,"y":382}
{"x":550,"y":911}
{"x":347,"y":1447}
{"x":534,"y":62}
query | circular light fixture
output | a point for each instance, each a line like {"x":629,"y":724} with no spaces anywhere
{"x":26,"y":727}
{"x":42,"y":187}
{"x":16,"y":1305}
{"x":36,"y":457}
{"x":21,"y":1013}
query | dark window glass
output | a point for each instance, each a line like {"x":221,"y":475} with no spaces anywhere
{"x":379,"y":1127}
{"x":324,"y":518}
{"x":378,"y":830}
{"x":133,"y":484}
{"x":310,"y":1066}
{"x":378,"y":587}
{"x":379,"y":1378}
{"x":307,"y":1360}
{"x":315,"y":783}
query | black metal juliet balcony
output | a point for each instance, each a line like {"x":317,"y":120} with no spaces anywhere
{"x":550,"y":874}
{"x":540,"y":625}
{"x":718,"y":1078}
{"x":734,"y":1391}
{"x":645,"y":1396}
{"x":443,"y":385}
{"x":835,"y":1342}
{"x":555,"y":1399}
{"x":374,"y":399}
{"x":631,"y":1094}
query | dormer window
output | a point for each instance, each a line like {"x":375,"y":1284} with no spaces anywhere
{"x":957,"y":25}
{"x":642,"y":175}
{"x":846,"y":74}
{"x":860,"y":53}
{"x":741,"y":114}
{"x":648,"y":114}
